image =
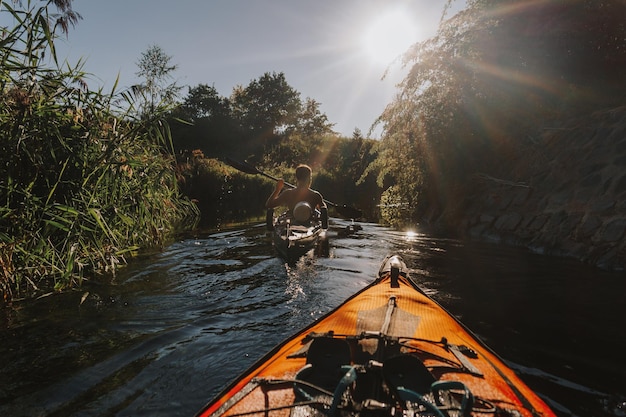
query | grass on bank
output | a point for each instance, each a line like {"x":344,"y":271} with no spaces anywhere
{"x":85,"y":179}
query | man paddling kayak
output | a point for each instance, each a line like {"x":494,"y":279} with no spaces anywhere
{"x":302,"y":193}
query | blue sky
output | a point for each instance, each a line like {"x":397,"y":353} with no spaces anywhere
{"x":318,"y":44}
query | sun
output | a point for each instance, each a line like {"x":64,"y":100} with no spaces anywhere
{"x":388,"y":36}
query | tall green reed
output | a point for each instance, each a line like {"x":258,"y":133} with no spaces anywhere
{"x":85,"y":180}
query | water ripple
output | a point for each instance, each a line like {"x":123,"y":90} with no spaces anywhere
{"x":177,"y":326}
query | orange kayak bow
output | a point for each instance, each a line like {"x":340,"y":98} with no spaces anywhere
{"x":389,"y":350}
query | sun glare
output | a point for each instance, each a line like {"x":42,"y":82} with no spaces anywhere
{"x":388,"y":36}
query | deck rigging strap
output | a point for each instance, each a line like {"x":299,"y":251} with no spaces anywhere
{"x":469,"y":367}
{"x":391,"y":306}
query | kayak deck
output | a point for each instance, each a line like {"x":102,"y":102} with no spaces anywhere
{"x":293,"y":240}
{"x":388,"y":349}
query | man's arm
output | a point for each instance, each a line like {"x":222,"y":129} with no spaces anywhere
{"x":274,"y":199}
{"x":321,"y":203}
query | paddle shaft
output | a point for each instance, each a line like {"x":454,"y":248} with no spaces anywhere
{"x":285,"y":182}
{"x":250,"y":169}
{"x":330,"y":203}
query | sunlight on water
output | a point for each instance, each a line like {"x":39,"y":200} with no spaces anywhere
{"x":294,"y":290}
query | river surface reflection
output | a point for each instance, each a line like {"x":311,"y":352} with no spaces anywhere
{"x":175,"y":327}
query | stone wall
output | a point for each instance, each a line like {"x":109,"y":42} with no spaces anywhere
{"x":566,"y":197}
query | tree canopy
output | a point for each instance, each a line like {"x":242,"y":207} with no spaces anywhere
{"x":493,"y":73}
{"x":267,"y":120}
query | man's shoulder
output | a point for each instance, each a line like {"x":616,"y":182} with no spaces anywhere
{"x":318,"y":196}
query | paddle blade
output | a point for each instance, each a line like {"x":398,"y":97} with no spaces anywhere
{"x":349,"y":212}
{"x":242,"y":166}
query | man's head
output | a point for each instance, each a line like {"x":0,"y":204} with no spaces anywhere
{"x":303,"y":174}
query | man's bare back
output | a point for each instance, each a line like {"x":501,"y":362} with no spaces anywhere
{"x":302,"y":192}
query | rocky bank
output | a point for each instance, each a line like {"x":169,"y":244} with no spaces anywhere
{"x":566,"y":197}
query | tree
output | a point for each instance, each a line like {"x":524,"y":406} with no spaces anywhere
{"x":267,"y":105}
{"x":360,"y":151}
{"x":207,"y":123}
{"x":265,"y":109}
{"x":490,"y":76}
{"x":274,"y":120}
{"x":311,"y":121}
{"x":158,"y":89}
{"x":203,"y":101}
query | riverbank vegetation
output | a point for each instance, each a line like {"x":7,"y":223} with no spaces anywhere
{"x":225,"y":195}
{"x":85,"y":178}
{"x":90,"y":177}
{"x":478,"y":94}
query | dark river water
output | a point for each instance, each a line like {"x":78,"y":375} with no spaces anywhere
{"x":175,"y":327}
